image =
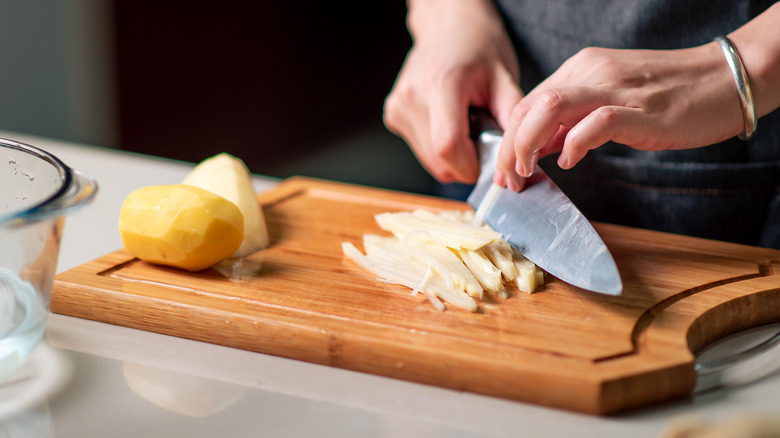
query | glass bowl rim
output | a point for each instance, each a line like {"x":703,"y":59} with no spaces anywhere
{"x":38,"y":210}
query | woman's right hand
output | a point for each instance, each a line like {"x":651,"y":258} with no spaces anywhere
{"x":461,"y":57}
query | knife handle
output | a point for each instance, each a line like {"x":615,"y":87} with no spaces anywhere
{"x":481,"y":120}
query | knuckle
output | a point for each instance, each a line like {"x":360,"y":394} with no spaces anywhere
{"x":590,"y":53}
{"x":440,"y":172}
{"x":553,"y":99}
{"x":444,"y":74}
{"x":447,"y":73}
{"x":398,"y":104}
{"x":400,"y":96}
{"x":444,"y":146}
{"x":598,"y":61}
{"x":607,"y":116}
{"x":593,"y":55}
{"x":391,"y":112}
{"x":444,"y":177}
{"x":519,"y":111}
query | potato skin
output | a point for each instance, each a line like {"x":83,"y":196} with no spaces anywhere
{"x":180,"y":225}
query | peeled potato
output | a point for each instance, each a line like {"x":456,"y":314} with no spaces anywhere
{"x":228,"y":176}
{"x":180,"y":225}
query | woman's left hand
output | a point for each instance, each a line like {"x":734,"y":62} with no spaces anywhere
{"x":646,"y":99}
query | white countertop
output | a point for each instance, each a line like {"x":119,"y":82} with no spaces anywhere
{"x":93,"y":380}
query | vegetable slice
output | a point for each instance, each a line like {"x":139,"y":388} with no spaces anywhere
{"x":446,"y":230}
{"x":444,"y":257}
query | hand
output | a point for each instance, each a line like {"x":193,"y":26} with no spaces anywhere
{"x":461,"y":57}
{"x":646,"y":99}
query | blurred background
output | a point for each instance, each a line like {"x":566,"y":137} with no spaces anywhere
{"x":291,"y":88}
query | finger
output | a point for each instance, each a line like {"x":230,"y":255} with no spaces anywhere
{"x":505,"y":166}
{"x":517,"y":183}
{"x":549,"y":111}
{"x":556,"y":142}
{"x":507,"y":159}
{"x":452,"y":153}
{"x":506,"y":95}
{"x":608,"y":123}
{"x":499,"y":178}
{"x":406,"y":118}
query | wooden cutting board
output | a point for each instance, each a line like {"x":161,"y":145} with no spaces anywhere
{"x":560,"y":347}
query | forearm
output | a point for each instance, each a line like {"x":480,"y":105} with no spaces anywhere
{"x":431,"y":17}
{"x":758,"y":43}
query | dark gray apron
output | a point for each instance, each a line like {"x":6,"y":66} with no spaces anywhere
{"x":728,"y":191}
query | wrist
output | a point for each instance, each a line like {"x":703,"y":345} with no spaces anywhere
{"x":437,"y":16}
{"x":742,"y":85}
{"x":758,"y":44}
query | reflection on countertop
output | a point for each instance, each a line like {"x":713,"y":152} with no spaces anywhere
{"x":160,"y":368}
{"x":24,"y":407}
{"x":200,"y":379}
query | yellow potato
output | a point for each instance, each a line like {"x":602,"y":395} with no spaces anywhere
{"x":228,"y":176}
{"x":180,"y":225}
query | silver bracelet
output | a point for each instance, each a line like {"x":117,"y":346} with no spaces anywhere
{"x":743,"y":86}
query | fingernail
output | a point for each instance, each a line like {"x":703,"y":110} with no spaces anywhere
{"x":519,"y":168}
{"x":563,"y":161}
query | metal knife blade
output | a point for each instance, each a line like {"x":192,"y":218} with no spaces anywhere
{"x":544,"y":225}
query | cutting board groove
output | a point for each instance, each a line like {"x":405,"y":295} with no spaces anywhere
{"x":561,"y":347}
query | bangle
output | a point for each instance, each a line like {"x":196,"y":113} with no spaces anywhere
{"x":743,"y":86}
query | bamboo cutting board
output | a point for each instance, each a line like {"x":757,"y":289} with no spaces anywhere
{"x":560,"y":347}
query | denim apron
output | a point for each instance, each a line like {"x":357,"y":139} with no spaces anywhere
{"x":727,"y":191}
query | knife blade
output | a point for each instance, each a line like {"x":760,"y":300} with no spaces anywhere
{"x":541,"y":221}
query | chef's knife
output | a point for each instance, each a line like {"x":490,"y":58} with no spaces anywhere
{"x":540,"y":221}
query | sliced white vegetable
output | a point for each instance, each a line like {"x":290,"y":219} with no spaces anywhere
{"x":444,"y":257}
{"x":527,"y":273}
{"x":501,"y":256}
{"x":539,"y":275}
{"x":424,"y":279}
{"x":463,"y":216}
{"x":389,"y":260}
{"x":525,"y":280}
{"x":488,"y":275}
{"x":412,"y":244}
{"x":487,"y":203}
{"x":438,"y":304}
{"x":444,"y":262}
{"x":451,"y":233}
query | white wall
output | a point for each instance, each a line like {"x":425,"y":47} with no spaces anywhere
{"x":57,"y":70}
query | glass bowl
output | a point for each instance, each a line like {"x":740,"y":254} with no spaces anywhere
{"x":36,"y":191}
